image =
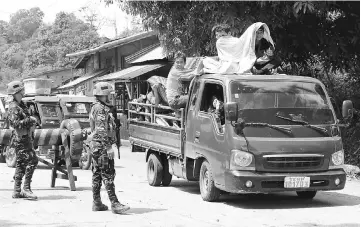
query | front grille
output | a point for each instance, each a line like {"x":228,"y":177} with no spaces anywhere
{"x":280,"y":184}
{"x":292,"y":162}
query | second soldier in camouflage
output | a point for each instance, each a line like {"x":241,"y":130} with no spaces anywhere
{"x":103,"y":147}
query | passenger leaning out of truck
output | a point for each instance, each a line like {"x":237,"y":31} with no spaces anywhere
{"x":23,"y":124}
{"x":103,"y":145}
{"x":175,"y":89}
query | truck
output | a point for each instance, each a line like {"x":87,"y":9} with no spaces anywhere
{"x":280,"y":133}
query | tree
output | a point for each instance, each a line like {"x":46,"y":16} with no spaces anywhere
{"x":66,"y":35}
{"x":24,"y":23}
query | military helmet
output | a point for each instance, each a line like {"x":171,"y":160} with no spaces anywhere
{"x":14,"y":87}
{"x":102,"y":88}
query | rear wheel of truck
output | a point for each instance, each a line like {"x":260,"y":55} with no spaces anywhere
{"x":86,"y":158}
{"x":306,"y":194}
{"x":167,"y":177}
{"x":10,"y":156}
{"x":154,"y":170}
{"x":206,"y":183}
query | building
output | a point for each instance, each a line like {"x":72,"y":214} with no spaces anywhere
{"x":109,"y":57}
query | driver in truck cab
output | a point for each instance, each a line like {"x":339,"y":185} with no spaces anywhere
{"x":23,"y":123}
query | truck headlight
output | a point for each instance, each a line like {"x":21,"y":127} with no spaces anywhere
{"x":242,"y":160}
{"x":338,"y":158}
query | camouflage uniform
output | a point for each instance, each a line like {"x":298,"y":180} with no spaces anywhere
{"x":26,"y":160}
{"x":103,"y":129}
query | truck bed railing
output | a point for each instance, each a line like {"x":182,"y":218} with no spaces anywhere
{"x":153,"y":112}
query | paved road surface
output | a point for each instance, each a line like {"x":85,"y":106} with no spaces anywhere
{"x":177,"y":205}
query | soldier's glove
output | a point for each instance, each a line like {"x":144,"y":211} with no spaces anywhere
{"x":111,"y":151}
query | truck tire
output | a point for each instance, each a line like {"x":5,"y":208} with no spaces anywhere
{"x":167,"y":177}
{"x":86,"y":158}
{"x":10,"y":157}
{"x":154,"y":170}
{"x":306,"y":194}
{"x":208,"y":190}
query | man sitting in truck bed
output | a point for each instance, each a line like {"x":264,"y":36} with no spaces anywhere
{"x":175,"y":91}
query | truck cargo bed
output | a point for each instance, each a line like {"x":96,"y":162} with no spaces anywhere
{"x":155,"y":137}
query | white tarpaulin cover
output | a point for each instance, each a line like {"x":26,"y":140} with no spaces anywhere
{"x":237,"y":55}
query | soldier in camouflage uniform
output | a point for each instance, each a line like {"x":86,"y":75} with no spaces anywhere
{"x":23,"y":124}
{"x":103,"y":147}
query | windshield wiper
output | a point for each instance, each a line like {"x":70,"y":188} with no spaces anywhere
{"x":259,"y":124}
{"x":304,"y":123}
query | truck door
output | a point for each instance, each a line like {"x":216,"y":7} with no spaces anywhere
{"x":206,"y":134}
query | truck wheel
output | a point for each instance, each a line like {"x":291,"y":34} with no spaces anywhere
{"x":306,"y":194}
{"x":206,"y":183}
{"x":10,"y":156}
{"x":86,"y":158}
{"x":167,"y":177}
{"x":155,"y":170}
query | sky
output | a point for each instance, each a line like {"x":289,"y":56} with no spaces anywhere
{"x":52,"y":7}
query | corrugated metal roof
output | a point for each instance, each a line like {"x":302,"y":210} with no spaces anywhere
{"x":112,"y":44}
{"x":130,"y":73}
{"x":83,"y":78}
{"x":156,"y":54}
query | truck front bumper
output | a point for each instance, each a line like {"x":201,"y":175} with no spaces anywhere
{"x":235,"y":181}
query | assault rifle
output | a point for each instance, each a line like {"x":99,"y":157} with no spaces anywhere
{"x":117,"y":129}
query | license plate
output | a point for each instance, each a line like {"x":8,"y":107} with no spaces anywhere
{"x":297,"y":182}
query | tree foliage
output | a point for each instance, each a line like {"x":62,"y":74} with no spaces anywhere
{"x":68,"y":34}
{"x":24,"y":23}
{"x":28,"y":46}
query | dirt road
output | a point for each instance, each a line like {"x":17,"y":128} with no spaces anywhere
{"x":180,"y":204}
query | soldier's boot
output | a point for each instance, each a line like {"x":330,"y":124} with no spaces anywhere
{"x":17,"y":189}
{"x":97,"y":202}
{"x":118,"y":208}
{"x":27,"y":193}
{"x":99,"y":206}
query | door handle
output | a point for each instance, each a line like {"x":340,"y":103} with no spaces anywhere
{"x":196,"y":137}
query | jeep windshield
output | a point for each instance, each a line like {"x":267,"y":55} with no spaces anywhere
{"x":77,"y":108}
{"x":265,"y":101}
{"x":49,"y":111}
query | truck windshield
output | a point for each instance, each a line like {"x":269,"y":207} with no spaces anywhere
{"x":78,"y":108}
{"x":263,"y":101}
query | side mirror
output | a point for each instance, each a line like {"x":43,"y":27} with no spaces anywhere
{"x":347,"y":109}
{"x":231,"y":111}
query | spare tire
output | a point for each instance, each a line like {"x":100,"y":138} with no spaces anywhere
{"x":75,"y":138}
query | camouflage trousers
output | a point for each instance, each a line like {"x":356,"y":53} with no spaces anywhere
{"x":26,"y":163}
{"x":102,"y":172}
